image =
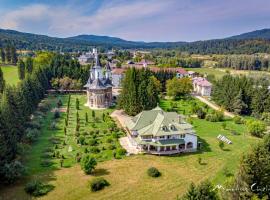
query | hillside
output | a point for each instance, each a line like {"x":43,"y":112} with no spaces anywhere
{"x":248,"y":43}
{"x":258,"y":34}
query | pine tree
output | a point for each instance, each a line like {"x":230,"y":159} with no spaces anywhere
{"x":8,"y":54}
{"x":77,"y":104}
{"x":3,"y":55}
{"x":13,"y":55}
{"x":86,"y":117}
{"x":2,"y":81}
{"x":29,"y":65}
{"x":21,"y":69}
{"x":238,"y":104}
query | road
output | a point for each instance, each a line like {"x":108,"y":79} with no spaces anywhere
{"x":214,"y":106}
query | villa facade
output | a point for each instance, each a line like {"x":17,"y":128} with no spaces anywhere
{"x":161,"y":133}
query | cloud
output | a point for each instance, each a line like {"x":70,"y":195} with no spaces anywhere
{"x":161,"y":20}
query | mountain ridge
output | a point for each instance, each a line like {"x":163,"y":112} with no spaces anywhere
{"x":250,"y":42}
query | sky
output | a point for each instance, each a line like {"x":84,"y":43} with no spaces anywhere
{"x":137,"y":20}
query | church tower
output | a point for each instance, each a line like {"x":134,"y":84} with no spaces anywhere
{"x":99,"y":87}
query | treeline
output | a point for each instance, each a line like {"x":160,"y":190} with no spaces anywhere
{"x":18,"y":103}
{"x":178,"y":62}
{"x":242,"y":95}
{"x":8,"y":54}
{"x":140,"y":91}
{"x":245,"y":62}
{"x":64,"y":69}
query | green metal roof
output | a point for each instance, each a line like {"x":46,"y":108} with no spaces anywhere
{"x":162,"y":143}
{"x":152,"y":122}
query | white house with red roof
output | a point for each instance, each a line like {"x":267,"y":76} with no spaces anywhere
{"x":201,"y":86}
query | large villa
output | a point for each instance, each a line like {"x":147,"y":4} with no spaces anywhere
{"x":159,"y":132}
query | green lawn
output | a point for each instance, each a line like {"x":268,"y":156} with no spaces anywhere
{"x":10,"y":74}
{"x":128,"y":176}
{"x":218,"y":73}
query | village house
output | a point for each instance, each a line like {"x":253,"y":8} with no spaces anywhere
{"x":162,"y":133}
{"x":201,"y":86}
{"x":117,"y":77}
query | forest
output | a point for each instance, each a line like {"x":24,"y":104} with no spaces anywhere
{"x":28,"y":41}
{"x":18,"y":103}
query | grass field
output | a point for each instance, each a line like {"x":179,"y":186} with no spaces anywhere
{"x":10,"y":74}
{"x":128,"y":176}
{"x":220,"y":72}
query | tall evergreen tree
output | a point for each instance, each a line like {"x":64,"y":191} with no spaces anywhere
{"x":238,"y":104}
{"x":21,"y":70}
{"x":8,"y":53}
{"x":13,"y":55}
{"x":3,"y":55}
{"x":29,"y":65}
{"x":2,"y":81}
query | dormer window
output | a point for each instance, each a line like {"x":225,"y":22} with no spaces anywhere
{"x":163,"y":127}
{"x":172,"y":127}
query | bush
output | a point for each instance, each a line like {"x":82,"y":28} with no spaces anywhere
{"x":216,"y":116}
{"x":92,"y":142}
{"x":37,"y":188}
{"x":121,"y":152}
{"x":12,"y":171}
{"x":153,"y":172}
{"x":94,"y":150}
{"x":256,"y":128}
{"x":109,"y":140}
{"x":238,"y":120}
{"x":98,"y":184}
{"x":56,"y":114}
{"x":221,"y":144}
{"x":81,"y":140}
{"x":88,"y":164}
{"x":111,"y":147}
{"x":200,"y":113}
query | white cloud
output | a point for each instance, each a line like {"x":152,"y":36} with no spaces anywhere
{"x":138,"y":20}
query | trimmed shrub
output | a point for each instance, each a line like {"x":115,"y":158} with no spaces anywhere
{"x":111,"y":147}
{"x":238,"y":120}
{"x":109,"y":140}
{"x":88,"y":164}
{"x":94,"y":150}
{"x":98,"y":184}
{"x":121,"y":151}
{"x":37,"y":188}
{"x":56,"y":114}
{"x":81,"y":140}
{"x":92,"y":142}
{"x":153,"y":172}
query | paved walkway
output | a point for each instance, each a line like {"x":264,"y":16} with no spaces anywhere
{"x":125,"y":143}
{"x":121,"y":117}
{"x":214,"y":106}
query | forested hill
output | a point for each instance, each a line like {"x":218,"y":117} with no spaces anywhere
{"x":236,"y":45}
{"x":258,"y":34}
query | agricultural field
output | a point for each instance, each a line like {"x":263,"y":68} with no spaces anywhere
{"x":127,"y":176}
{"x":10,"y":74}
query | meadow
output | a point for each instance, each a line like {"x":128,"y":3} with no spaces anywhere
{"x":127,"y":176}
{"x":10,"y":74}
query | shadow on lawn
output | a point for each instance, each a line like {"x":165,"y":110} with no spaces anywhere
{"x":100,"y":172}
